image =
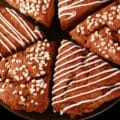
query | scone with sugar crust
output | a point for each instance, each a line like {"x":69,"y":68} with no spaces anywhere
{"x":40,"y":10}
{"x":16,"y":32}
{"x":70,"y":12}
{"x":100,"y":33}
{"x":82,"y":81}
{"x":25,"y":77}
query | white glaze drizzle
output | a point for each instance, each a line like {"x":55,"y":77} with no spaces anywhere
{"x":87,"y":92}
{"x":62,"y":2}
{"x":75,"y":52}
{"x":6,"y":47}
{"x":68,"y":62}
{"x":64,"y":76}
{"x":64,"y":45}
{"x":37,"y":31}
{"x":28,"y":29}
{"x":77,"y":67}
{"x":8,"y":41}
{"x":78,"y":75}
{"x":12,"y":35}
{"x":14,"y":30}
{"x":92,"y":76}
{"x":15,"y":34}
{"x":1,"y":55}
{"x":21,"y":22}
{"x":66,"y":51}
{"x":90,"y":100}
{"x":73,"y":60}
{"x":77,"y":4}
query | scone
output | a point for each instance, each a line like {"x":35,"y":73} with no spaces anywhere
{"x":16,"y":33}
{"x":25,"y":77}
{"x":40,"y":10}
{"x":82,"y":81}
{"x":100,"y":33}
{"x":72,"y":11}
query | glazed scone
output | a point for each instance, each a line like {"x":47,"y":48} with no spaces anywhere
{"x":25,"y":77}
{"x":71,"y":12}
{"x":40,"y":10}
{"x":100,"y":33}
{"x":82,"y":80}
{"x":16,"y":33}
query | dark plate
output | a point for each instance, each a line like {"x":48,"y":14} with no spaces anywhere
{"x":49,"y":115}
{"x":54,"y":33}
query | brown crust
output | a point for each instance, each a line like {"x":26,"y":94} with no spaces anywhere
{"x":102,"y":26}
{"x":92,"y":73}
{"x":41,"y":17}
{"x":81,"y":12}
{"x":11,"y":20}
{"x":25,"y":77}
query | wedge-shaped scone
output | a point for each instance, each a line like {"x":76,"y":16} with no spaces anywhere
{"x":25,"y":77}
{"x":40,"y":10}
{"x":16,"y":33}
{"x":72,"y":11}
{"x":82,"y":81}
{"x":100,"y":33}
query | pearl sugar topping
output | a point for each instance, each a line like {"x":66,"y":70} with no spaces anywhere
{"x":99,"y":20}
{"x":33,"y":6}
{"x":106,"y":46}
{"x":29,"y":74}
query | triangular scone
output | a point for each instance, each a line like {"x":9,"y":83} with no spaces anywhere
{"x":71,"y":11}
{"x":40,"y":10}
{"x":100,"y":33}
{"x":82,"y":80}
{"x":16,"y":32}
{"x":25,"y":77}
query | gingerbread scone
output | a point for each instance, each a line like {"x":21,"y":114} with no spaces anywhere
{"x":40,"y":10}
{"x":82,"y":81}
{"x":25,"y":77}
{"x":72,"y":11}
{"x":16,"y":32}
{"x":100,"y":33}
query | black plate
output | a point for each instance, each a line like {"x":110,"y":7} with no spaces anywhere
{"x":49,"y":115}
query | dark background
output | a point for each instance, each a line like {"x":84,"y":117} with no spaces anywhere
{"x":112,"y":113}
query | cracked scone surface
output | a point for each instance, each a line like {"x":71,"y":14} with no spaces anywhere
{"x":82,"y":80}
{"x":70,"y":12}
{"x":100,"y":33}
{"x":16,"y":32}
{"x":25,"y":77}
{"x":40,"y":10}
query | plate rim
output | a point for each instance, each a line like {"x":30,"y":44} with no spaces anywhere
{"x":92,"y":115}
